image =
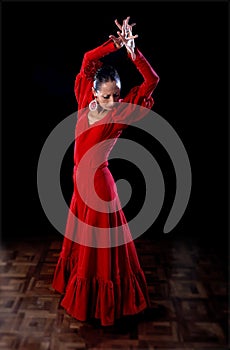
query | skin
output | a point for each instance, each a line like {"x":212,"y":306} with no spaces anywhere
{"x":106,"y":97}
{"x":125,"y":36}
{"x":108,"y":94}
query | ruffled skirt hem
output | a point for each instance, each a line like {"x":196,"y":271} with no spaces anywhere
{"x":93,"y":297}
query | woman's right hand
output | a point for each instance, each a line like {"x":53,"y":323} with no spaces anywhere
{"x":118,"y":42}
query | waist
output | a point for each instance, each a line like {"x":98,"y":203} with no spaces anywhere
{"x":92,"y":168}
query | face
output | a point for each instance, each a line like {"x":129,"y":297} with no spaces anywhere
{"x":108,"y":94}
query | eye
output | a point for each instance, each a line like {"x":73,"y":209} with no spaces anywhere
{"x":114,"y":95}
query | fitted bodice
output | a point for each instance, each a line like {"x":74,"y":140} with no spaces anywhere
{"x":94,"y":143}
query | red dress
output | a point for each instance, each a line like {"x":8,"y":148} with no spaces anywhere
{"x":98,"y":270}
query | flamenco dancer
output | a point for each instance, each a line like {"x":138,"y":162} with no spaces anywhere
{"x":98,"y":271}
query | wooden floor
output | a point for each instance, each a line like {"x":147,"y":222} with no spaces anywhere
{"x":188,"y":285}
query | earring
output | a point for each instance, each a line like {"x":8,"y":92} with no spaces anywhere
{"x":93,"y":105}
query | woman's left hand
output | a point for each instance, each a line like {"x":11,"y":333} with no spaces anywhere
{"x":126,"y":37}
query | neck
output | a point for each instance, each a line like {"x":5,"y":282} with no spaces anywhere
{"x":101,"y":110}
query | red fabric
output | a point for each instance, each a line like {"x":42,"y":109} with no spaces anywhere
{"x":99,"y":281}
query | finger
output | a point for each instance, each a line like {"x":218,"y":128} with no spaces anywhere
{"x":125,"y":22}
{"x":122,"y":38}
{"x":120,"y":34}
{"x":118,"y":24}
{"x":133,"y":36}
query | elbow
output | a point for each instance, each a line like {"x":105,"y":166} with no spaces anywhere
{"x":154,"y":82}
{"x":86,"y":58}
{"x":156,"y":79}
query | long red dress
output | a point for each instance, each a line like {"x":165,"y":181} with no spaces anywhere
{"x":98,"y":270}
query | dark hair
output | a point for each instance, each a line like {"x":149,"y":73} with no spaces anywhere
{"x":104,"y":74}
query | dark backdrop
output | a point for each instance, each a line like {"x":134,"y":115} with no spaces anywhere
{"x":42,"y":48}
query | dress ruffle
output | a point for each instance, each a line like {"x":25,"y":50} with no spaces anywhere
{"x":93,"y":297}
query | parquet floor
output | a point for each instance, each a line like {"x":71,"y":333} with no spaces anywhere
{"x":188,"y":285}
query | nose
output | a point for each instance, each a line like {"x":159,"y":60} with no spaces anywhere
{"x":111,"y":101}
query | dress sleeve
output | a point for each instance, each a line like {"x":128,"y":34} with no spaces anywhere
{"x":142,"y":94}
{"x":90,"y":64}
{"x":139,"y":100}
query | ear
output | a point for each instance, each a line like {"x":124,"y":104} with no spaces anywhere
{"x":94,"y":92}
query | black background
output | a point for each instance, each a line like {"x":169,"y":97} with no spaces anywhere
{"x":187,"y":44}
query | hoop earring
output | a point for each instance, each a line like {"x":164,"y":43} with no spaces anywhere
{"x":93,"y":105}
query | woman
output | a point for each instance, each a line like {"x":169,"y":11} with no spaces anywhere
{"x":98,"y":270}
